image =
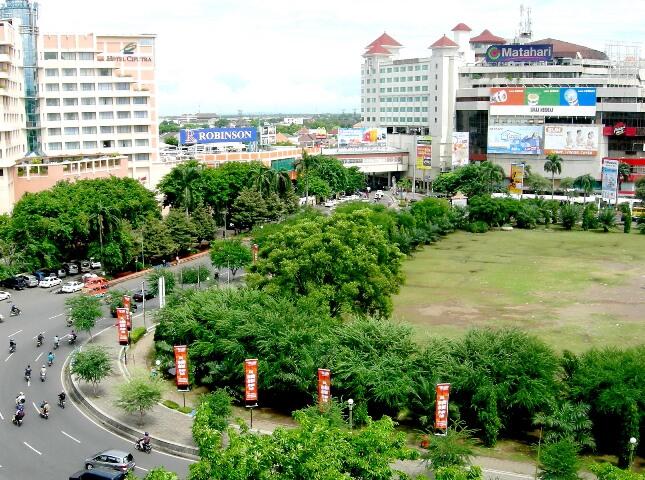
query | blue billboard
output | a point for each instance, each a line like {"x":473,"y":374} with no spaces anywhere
{"x":515,"y":139}
{"x":190,"y":136}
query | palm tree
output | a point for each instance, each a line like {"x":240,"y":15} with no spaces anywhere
{"x":303,"y":166}
{"x":566,"y":184}
{"x":492,"y":173}
{"x":553,"y":165}
{"x":186,"y":175}
{"x":585,"y":183}
{"x":106,"y":221}
{"x":567,"y":421}
{"x":265,"y":179}
{"x":624,"y":171}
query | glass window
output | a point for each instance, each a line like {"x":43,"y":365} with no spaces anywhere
{"x":51,"y":72}
{"x":107,"y":129}
{"x":87,"y":87}
{"x":69,"y":72}
{"x":53,"y":131}
{"x":68,"y":55}
{"x":69,"y":102}
{"x":124,"y":129}
{"x":86,"y":55}
{"x":89,"y":144}
{"x":89,"y":115}
{"x":70,"y":87}
{"x":141,"y":128}
{"x":55,"y":146}
{"x":106,"y":115}
{"x":72,"y":145}
{"x":53,"y":102}
{"x":51,"y":55}
{"x":141,"y":142}
{"x":105,"y":87}
{"x":105,"y":100}
{"x":104,"y":72}
{"x":53,"y":117}
{"x":87,"y":72}
{"x":71,"y":130}
{"x":71,"y":116}
{"x":122,"y":115}
{"x":140,"y":114}
{"x":122,"y":86}
{"x":424,"y":67}
{"x":52,"y":87}
{"x":141,"y":157}
{"x":124,"y":143}
{"x":88,"y":101}
{"x":89,"y":130}
{"x":123,"y":101}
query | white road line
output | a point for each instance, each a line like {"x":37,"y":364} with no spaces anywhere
{"x":68,"y":435}
{"x":56,"y":316}
{"x":137,"y":315}
{"x":37,"y":409}
{"x":32,"y":448}
{"x":141,"y":468}
{"x":14,"y":333}
{"x":8,"y":357}
{"x":1,"y":418}
{"x":509,"y":474}
{"x":41,"y":354}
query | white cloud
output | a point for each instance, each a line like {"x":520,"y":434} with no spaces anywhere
{"x":289,"y":56}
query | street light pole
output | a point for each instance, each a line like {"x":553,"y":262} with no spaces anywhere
{"x":143,"y":301}
{"x":632,"y":447}
{"x":350,"y":404}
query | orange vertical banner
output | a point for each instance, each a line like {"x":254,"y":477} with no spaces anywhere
{"x":251,"y":380}
{"x":181,"y":366}
{"x":122,"y":331}
{"x":441,"y":406}
{"x":324,"y":386}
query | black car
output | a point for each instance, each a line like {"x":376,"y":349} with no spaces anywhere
{"x":138,"y":296}
{"x":17,"y":283}
{"x":98,"y":474}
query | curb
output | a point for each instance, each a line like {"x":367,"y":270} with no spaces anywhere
{"x":123,"y":430}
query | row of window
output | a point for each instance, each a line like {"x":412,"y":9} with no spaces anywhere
{"x":73,"y":72}
{"x":103,"y":129}
{"x":403,"y":68}
{"x":405,"y":99}
{"x":86,"y":87}
{"x":406,"y":109}
{"x":55,"y":117}
{"x":69,"y":102}
{"x":416,"y":78}
{"x":95,"y":144}
{"x":69,"y":55}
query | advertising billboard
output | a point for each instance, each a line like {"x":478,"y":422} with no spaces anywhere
{"x":360,"y":137}
{"x":564,"y":102}
{"x":515,"y":139}
{"x":191,"y":136}
{"x":519,"y":53}
{"x":571,"y":139}
{"x":181,"y":366}
{"x":424,"y":156}
{"x":324,"y":386}
{"x":516,"y":186}
{"x":441,"y":406}
{"x":251,"y":380}
{"x":122,"y":331}
{"x":460,"y":145}
{"x":609,"y":179}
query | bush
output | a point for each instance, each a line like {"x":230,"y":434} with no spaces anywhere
{"x":477,"y":227}
{"x":152,"y":280}
{"x":137,"y":333}
{"x":607,"y":219}
{"x":170,"y":404}
{"x":569,"y":215}
{"x":459,"y":473}
{"x":189,"y":275}
{"x":627,"y":217}
{"x":526,"y":215}
{"x":589,"y":217}
{"x":559,"y":461}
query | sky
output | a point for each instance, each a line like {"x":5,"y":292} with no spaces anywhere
{"x":288,"y":56}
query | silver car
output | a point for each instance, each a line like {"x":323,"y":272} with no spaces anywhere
{"x":114,"y":459}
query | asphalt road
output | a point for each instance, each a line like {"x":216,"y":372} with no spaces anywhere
{"x":56,"y":447}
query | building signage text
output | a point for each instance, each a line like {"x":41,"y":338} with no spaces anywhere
{"x":519,"y":53}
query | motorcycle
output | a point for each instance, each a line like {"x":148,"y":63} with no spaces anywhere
{"x":39,"y":342}
{"x":147,"y":448}
{"x":1,"y":318}
{"x":70,"y":321}
{"x":27,"y":378}
{"x":12,"y":348}
{"x":14,"y":312}
{"x":72,"y":340}
{"x":44,"y":414}
{"x":49,"y":362}
{"x":42,"y":376}
{"x":17,"y":419}
{"x":56,"y":345}
{"x":61,"y":402}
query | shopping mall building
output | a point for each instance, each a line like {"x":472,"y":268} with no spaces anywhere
{"x":513,"y":100}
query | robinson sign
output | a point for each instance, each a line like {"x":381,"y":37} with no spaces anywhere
{"x":191,"y":136}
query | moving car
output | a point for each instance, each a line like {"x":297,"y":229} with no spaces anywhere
{"x":138,"y":296}
{"x":49,"y":282}
{"x":30,"y":279}
{"x":98,"y":474}
{"x":94,"y":263}
{"x":71,"y":287}
{"x":4,"y":295}
{"x":111,"y":459}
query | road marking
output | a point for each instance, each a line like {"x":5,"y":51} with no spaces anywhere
{"x":68,"y":435}
{"x":137,"y":315}
{"x":141,"y":468}
{"x":32,"y":448}
{"x":37,"y":409}
{"x":510,"y":474}
{"x":56,"y":316}
{"x":8,"y":357}
{"x":41,"y":354}
{"x":1,"y":418}
{"x":14,"y":333}
{"x":36,"y":336}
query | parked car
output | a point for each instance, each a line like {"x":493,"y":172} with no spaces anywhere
{"x":330,"y":203}
{"x":86,"y":276}
{"x":42,"y":273}
{"x":61,"y":272}
{"x":71,"y":268}
{"x":138,"y":296}
{"x":71,"y":287}
{"x":111,"y":459}
{"x":4,"y":295}
{"x":85,"y":266}
{"x":17,"y":283}
{"x":98,"y":474}
{"x":31,"y":280}
{"x":94,"y":263}
{"x":49,"y":282}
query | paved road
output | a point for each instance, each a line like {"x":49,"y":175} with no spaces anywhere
{"x":53,"y":448}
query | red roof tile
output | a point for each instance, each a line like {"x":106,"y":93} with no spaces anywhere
{"x":566,"y":49}
{"x":443,"y":42}
{"x":462,"y":27}
{"x":385,"y":40}
{"x":487,"y":37}
{"x":377,"y":50}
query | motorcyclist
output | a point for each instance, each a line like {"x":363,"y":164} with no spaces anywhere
{"x":12,"y":344}
{"x":19,"y":415}
{"x":72,"y":336}
{"x":144,"y":441}
{"x":15,"y":310}
{"x":44,"y":408}
{"x":56,"y":341}
{"x":20,"y":399}
{"x":50,"y":358}
{"x":28,"y":371}
{"x":43,"y":372}
{"x":40,"y":338}
{"x":61,"y":398}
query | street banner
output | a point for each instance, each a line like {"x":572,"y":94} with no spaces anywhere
{"x":516,"y":186}
{"x":460,"y":147}
{"x":441,"y":406}
{"x":515,"y":139}
{"x":127,"y":302}
{"x":125,"y":314}
{"x":254,"y":252}
{"x":122,"y":331}
{"x":609,"y":179}
{"x":251,"y":380}
{"x":565,"y":102}
{"x":424,"y":156}
{"x":324,"y":386}
{"x":571,"y":140}
{"x":181,"y":366}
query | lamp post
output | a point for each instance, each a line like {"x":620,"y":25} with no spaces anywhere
{"x":350,"y":404}
{"x":143,"y":301}
{"x":225,"y":212}
{"x":632,"y":447}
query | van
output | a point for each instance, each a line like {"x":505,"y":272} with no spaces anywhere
{"x":98,"y":474}
{"x":85,"y":266}
{"x":97,"y":286}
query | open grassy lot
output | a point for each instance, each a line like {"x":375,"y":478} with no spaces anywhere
{"x":573,"y":289}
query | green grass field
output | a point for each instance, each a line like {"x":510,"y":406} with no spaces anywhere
{"x":573,"y":289}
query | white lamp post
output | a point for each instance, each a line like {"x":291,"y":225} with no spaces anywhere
{"x":632,"y":447}
{"x":350,"y":404}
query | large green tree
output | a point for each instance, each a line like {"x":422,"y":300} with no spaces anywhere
{"x":231,"y":254}
{"x":91,"y":364}
{"x":472,"y":179}
{"x":85,"y":310}
{"x":182,"y":230}
{"x":640,"y":189}
{"x":139,"y":395}
{"x":553,"y":165}
{"x":585,"y":183}
{"x":248,"y":209}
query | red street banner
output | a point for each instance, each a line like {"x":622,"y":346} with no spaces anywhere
{"x":122,"y":331}
{"x":181,"y":365}
{"x":324,"y":386}
{"x":254,"y":251}
{"x":127,"y":302}
{"x":441,"y":409}
{"x":251,"y":380}
{"x":125,"y":314}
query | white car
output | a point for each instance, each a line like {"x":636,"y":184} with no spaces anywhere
{"x":5,"y":295}
{"x":50,"y":282}
{"x":94,"y":263}
{"x":330,"y":203}
{"x":71,"y":287}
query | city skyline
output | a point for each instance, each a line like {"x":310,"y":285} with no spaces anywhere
{"x":283,"y":57}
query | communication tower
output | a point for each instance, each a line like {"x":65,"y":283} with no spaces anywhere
{"x":525,"y":29}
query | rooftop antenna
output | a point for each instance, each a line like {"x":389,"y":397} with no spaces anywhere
{"x":525,"y":31}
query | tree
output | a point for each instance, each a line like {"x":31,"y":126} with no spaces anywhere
{"x":153,"y":280}
{"x":559,"y":461}
{"x":452,"y":450}
{"x":627,"y":217}
{"x":303,"y":165}
{"x":590,"y":217}
{"x":155,"y":239}
{"x":537,"y":183}
{"x":607,"y":218}
{"x":230,"y":254}
{"x":160,"y":473}
{"x":213,"y":413}
{"x":182,"y":230}
{"x":183,"y":187}
{"x":569,"y":215}
{"x":171,"y":140}
{"x":248,"y":209}
{"x":473,"y":179}
{"x":567,"y":421}
{"x":205,"y":227}
{"x":640,"y":189}
{"x":91,"y":364}
{"x":606,"y":471}
{"x":168,"y":126}
{"x":139,"y":395}
{"x":566,"y":184}
{"x":586,"y":184}
{"x":624,"y":172}
{"x":85,"y":310}
{"x":553,"y":165}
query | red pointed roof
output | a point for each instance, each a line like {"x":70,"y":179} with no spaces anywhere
{"x":377,"y":50}
{"x":462,"y":27}
{"x":444,"y":42}
{"x":385,"y":40}
{"x":487,"y":37}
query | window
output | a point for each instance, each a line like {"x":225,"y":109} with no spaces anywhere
{"x":104,"y":72}
{"x":417,"y":88}
{"x":409,"y":68}
{"x":89,"y":130}
{"x":140,"y":114}
{"x":424,"y":88}
{"x":87,"y":87}
{"x":140,"y":100}
{"x":124,"y":143}
{"x":139,"y":157}
{"x":123,"y":129}
{"x":89,"y":115}
{"x":424,"y":99}
{"x":53,"y":131}
{"x":86,"y":55}
{"x":107,"y":129}
{"x":53,"y":117}
{"x":410,"y":78}
{"x":52,"y":87}
{"x":69,"y":102}
{"x":70,"y":87}
{"x":424,"y":67}
{"x":107,"y":143}
{"x":71,"y":130}
{"x":396,"y":69}
{"x":106,"y":115}
{"x":72,"y":145}
{"x":70,"y":116}
{"x":410,"y":99}
{"x":417,"y":67}
{"x":89,"y":144}
{"x":87,"y":72}
{"x":121,"y":115}
{"x":51,"y":56}
{"x":424,"y":77}
{"x":122,"y":101}
{"x":105,"y":100}
{"x":53,"y":102}
{"x":55,"y":146}
{"x":68,"y":55}
{"x":417,"y":78}
{"x":51,"y":72}
{"x":141,"y":142}
{"x":88,"y":101}
{"x":122,"y":86}
{"x":141,"y":129}
{"x":105,"y":87}
{"x":69,"y":72}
